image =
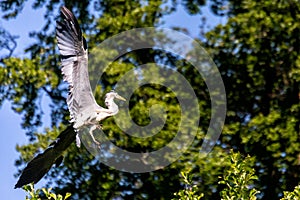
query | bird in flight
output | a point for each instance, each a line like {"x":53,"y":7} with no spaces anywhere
{"x":82,"y":105}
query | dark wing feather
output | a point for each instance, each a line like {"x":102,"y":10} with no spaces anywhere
{"x":40,"y":165}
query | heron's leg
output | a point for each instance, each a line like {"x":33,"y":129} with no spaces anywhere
{"x":78,"y":142}
{"x":99,"y":126}
{"x":94,"y":127}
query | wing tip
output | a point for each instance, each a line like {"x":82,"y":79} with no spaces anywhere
{"x":69,"y":16}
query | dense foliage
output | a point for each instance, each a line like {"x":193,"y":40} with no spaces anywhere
{"x":257,"y":52}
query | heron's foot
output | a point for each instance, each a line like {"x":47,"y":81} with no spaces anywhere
{"x":92,"y":136}
{"x":98,"y":145}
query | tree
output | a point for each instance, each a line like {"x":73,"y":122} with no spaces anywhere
{"x":257,"y":53}
{"x":43,"y":76}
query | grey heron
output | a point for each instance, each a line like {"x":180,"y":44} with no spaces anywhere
{"x":82,"y":105}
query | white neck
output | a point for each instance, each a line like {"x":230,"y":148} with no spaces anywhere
{"x":112,"y":107}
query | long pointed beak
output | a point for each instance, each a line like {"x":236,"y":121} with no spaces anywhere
{"x":120,"y":98}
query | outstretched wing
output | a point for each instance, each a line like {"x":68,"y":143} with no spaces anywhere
{"x":40,"y":165}
{"x":73,"y":49}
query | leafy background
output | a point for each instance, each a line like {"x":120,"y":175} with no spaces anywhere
{"x":257,"y":52}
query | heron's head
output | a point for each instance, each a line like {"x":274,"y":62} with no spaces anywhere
{"x":112,"y":94}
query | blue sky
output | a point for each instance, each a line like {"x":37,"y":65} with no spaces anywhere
{"x":12,"y":134}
